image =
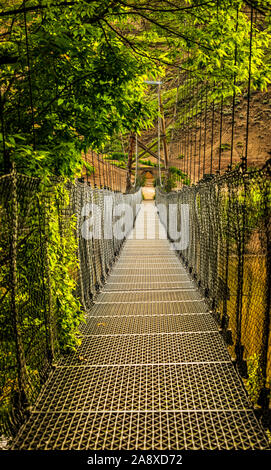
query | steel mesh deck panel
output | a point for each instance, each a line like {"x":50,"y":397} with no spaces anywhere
{"x":146,"y":324}
{"x":152,"y":371}
{"x":136,"y":430}
{"x":149,"y":349}
{"x":156,"y":251}
{"x":155,"y":308}
{"x":113,"y":388}
{"x":145,"y":278}
{"x":146,"y":271}
{"x":148,"y":285}
{"x":148,"y":281}
{"x":143,"y":264}
{"x":146,"y":244}
{"x":166,"y":257}
{"x":152,"y":296}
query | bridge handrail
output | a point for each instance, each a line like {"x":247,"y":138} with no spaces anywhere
{"x":47,"y":264}
{"x":229,"y":257}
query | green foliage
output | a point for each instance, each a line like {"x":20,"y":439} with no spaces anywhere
{"x":63,"y":264}
{"x":156,"y":182}
{"x":86,"y":87}
{"x":117,"y":159}
{"x":169,"y":182}
{"x":119,"y":164}
{"x":255,"y":381}
{"x":90,"y":169}
{"x":119,"y":156}
{"x":177,"y":173}
{"x":225,"y":147}
{"x":218,"y":62}
{"x":88,"y":64}
{"x":148,"y":162}
{"x":46,"y":267}
{"x":141,"y":180}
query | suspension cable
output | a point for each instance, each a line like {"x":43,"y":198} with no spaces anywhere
{"x":158,"y":137}
{"x":249,"y":89}
{"x":205,"y":128}
{"x":29,"y":77}
{"x":212,"y":136}
{"x":220,"y":134}
{"x":234,"y":92}
{"x":92,"y":161}
{"x":5,"y":153}
{"x":200,"y":131}
{"x":136,"y":160}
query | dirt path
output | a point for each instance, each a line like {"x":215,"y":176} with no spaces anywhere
{"x":148,"y":192}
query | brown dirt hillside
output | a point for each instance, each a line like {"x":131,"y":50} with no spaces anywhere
{"x":105,"y":174}
{"x":259,"y":142}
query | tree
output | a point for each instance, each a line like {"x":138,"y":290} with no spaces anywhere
{"x":70,"y":85}
{"x":72,"y":74}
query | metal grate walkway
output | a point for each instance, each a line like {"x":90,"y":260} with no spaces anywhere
{"x":152,"y":371}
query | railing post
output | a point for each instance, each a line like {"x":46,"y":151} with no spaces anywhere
{"x":225,"y":317}
{"x":241,"y":224}
{"x":46,"y":287}
{"x":20,"y":356}
{"x":265,"y":392}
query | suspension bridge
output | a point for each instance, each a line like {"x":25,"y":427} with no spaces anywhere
{"x":153,"y":370}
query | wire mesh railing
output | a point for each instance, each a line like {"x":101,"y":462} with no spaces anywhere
{"x":50,"y":272}
{"x":229,"y":256}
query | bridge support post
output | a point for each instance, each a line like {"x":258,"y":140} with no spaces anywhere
{"x":130,"y":162}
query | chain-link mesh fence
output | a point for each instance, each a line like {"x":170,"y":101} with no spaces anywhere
{"x":229,"y":256}
{"x":40,"y":234}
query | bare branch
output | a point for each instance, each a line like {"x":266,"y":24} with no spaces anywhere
{"x":175,"y":33}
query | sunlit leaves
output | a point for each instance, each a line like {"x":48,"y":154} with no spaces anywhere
{"x":89,"y":59}
{"x":86,"y":86}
